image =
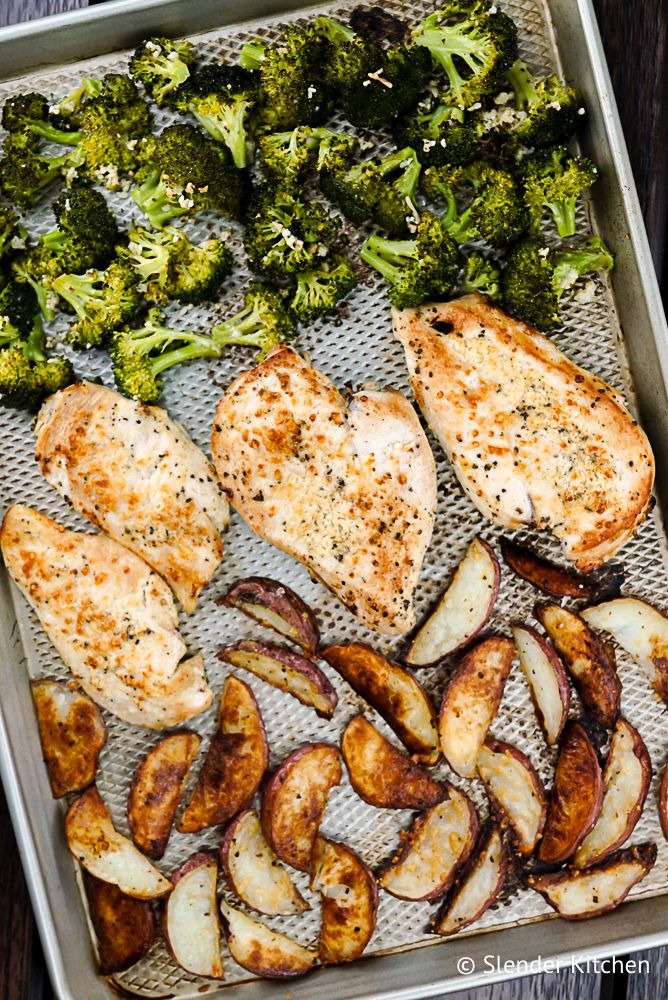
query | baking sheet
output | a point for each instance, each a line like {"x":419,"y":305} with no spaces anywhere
{"x":356,"y":348}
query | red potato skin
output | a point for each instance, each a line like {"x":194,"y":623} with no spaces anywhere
{"x":476,"y":632}
{"x":124,"y":925}
{"x":645,"y":853}
{"x":334,"y":916}
{"x":294,"y":661}
{"x":280,"y":599}
{"x":559,"y":673}
{"x":400,"y":784}
{"x":576,"y":798}
{"x":415,"y":828}
{"x":311,"y":810}
{"x":560,"y":581}
{"x":663,"y":802}
{"x":503,"y":819}
{"x":599,"y":688}
{"x":462,"y":876}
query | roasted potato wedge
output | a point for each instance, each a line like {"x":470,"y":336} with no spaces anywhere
{"x":515,"y":792}
{"x":383,"y":775}
{"x":476,"y":887}
{"x":276,"y":606}
{"x":294,"y":801}
{"x":579,"y":895}
{"x":589,"y":662}
{"x":105,"y":853}
{"x":286,"y":670}
{"x":626,"y":779}
{"x":576,"y":797}
{"x":438,"y":843}
{"x":462,"y":611}
{"x":262,"y":951}
{"x":546,"y":678}
{"x":640,"y":629}
{"x":663,"y":802}
{"x":124,"y":926}
{"x":349,"y":899}
{"x":190,"y":921}
{"x":72,"y":733}
{"x":234,"y":764}
{"x":471,"y":701}
{"x":393,"y":692}
{"x":156,"y":791}
{"x":561,"y":581}
{"x":254,"y":872}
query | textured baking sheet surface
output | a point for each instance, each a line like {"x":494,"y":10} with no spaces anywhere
{"x":358,"y":346}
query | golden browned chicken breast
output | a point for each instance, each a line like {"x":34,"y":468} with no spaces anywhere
{"x":533,"y":438}
{"x":348,"y":486}
{"x":136,"y":474}
{"x":111,"y":618}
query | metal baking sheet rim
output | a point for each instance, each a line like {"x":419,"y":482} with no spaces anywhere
{"x":425,"y":971}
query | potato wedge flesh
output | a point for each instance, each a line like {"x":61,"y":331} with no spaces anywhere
{"x":515,"y":789}
{"x":575,"y":799}
{"x":72,"y":733}
{"x":191,"y":923}
{"x":262,"y":951}
{"x":124,"y":926}
{"x":546,"y":678}
{"x":349,"y":900}
{"x":478,"y":889}
{"x":156,"y":791}
{"x":254,"y":871}
{"x":285,"y":670}
{"x":641,"y":630}
{"x":276,"y":606}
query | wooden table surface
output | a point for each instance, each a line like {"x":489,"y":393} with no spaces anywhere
{"x":635,"y":35}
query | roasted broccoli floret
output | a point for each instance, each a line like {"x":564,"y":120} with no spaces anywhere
{"x":291,"y":72}
{"x":374,"y":84}
{"x":174,"y":268}
{"x":87,"y":232}
{"x":495,"y":212}
{"x":65,"y":112}
{"x":223,"y":100}
{"x":24,"y":171}
{"x":102,"y":300}
{"x":420,"y":269}
{"x":548,"y":111}
{"x":481,"y":275}
{"x":162,"y":65}
{"x":10,"y":230}
{"x":354,"y":189}
{"x":285,"y":155}
{"x":395,"y":209}
{"x":536,"y":277}
{"x":139,"y":356}
{"x":30,"y":113}
{"x":115,"y":127}
{"x":318,"y":292}
{"x":18,"y":309}
{"x":38,"y":267}
{"x":474,"y":43}
{"x":554,"y":179}
{"x":189,"y":172}
{"x":285,"y":233}
{"x":441,"y":133}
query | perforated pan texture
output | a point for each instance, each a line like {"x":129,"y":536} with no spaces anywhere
{"x":355,"y":348}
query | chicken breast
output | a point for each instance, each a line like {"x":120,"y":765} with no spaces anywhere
{"x":533,"y":438}
{"x":346,"y":486}
{"x":111,"y":618}
{"x":138,"y":477}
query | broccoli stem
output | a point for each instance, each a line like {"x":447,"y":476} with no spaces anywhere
{"x":151,"y":197}
{"x":563,"y":213}
{"x":444,"y":43}
{"x":388,"y":257}
{"x":252,"y":55}
{"x":47,"y":312}
{"x":244,"y":329}
{"x":335,"y":31}
{"x":36,"y":342}
{"x":79,"y":291}
{"x":573,"y":264}
{"x":411,"y":166}
{"x":522,"y":82}
{"x":228,"y":126}
{"x":197,"y":347}
{"x":53,"y":134}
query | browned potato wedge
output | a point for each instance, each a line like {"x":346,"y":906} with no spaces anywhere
{"x":254,"y":872}
{"x":576,"y":797}
{"x":463,"y":610}
{"x":234,"y":764}
{"x":349,"y":898}
{"x":641,"y":630}
{"x":124,"y":926}
{"x":663,"y":802}
{"x":547,"y":680}
{"x":105,"y":853}
{"x":515,"y":792}
{"x":589,"y":662}
{"x":381,"y":774}
{"x":471,"y":701}
{"x":439,"y":842}
{"x":561,"y":581}
{"x":276,"y":606}
{"x":626,"y":779}
{"x":156,"y":791}
{"x":579,"y":895}
{"x":295,"y":799}
{"x":476,"y":888}
{"x":190,"y":920}
{"x":393,"y":692}
{"x":285,"y":670}
{"x":72,"y":733}
{"x":262,"y":951}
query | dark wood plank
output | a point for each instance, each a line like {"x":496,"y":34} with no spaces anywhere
{"x":650,"y":981}
{"x":17,"y":930}
{"x":562,"y":985}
